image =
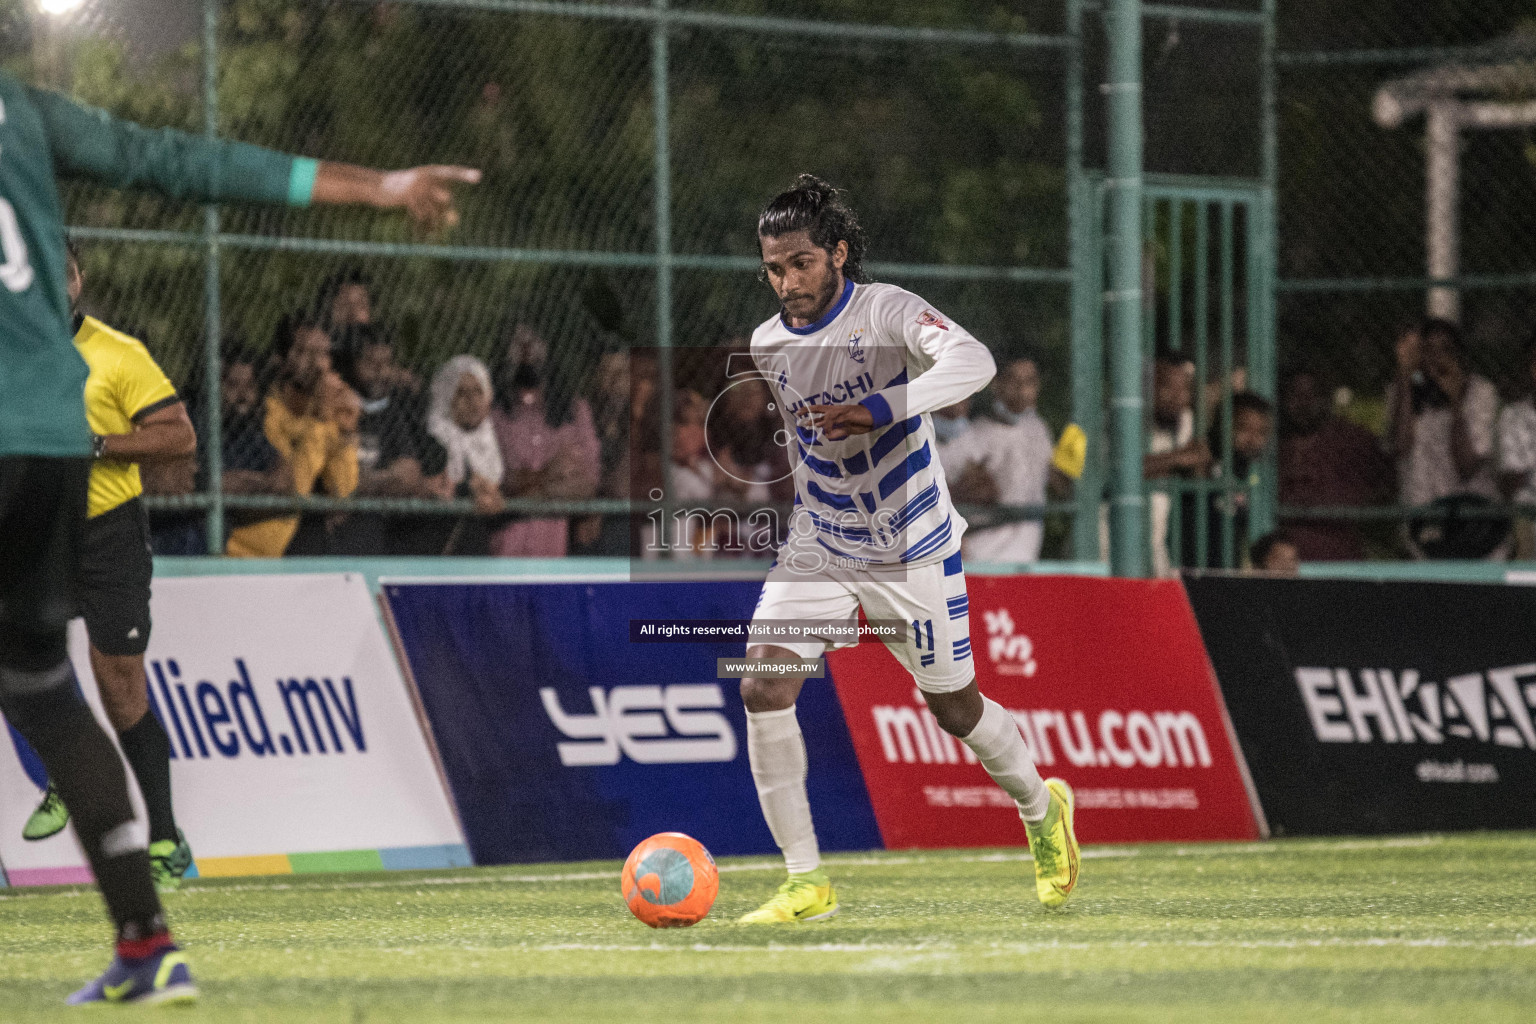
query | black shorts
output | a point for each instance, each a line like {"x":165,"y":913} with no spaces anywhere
{"x":42,"y":517}
{"x":113,"y":581}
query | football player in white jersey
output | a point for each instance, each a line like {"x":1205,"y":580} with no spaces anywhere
{"x":856,"y":370}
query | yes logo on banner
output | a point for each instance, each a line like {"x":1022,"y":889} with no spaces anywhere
{"x":635,"y":721}
{"x":1110,"y":687}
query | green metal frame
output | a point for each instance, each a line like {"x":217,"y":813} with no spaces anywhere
{"x":1124,"y":238}
{"x":1185,"y":218}
{"x":1125,"y":211}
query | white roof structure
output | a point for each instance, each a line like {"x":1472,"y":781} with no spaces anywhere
{"x":1488,"y":87}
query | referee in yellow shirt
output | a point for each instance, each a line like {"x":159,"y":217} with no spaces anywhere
{"x":135,"y":416}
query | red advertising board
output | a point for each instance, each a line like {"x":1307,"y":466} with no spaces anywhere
{"x":1112,"y":689}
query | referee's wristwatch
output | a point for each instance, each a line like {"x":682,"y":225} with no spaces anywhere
{"x":98,"y":446}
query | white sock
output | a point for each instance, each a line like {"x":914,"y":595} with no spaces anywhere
{"x":1000,"y":747}
{"x":776,"y":750}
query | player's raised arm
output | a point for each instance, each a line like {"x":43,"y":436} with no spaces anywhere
{"x":91,"y":143}
{"x":957,"y":365}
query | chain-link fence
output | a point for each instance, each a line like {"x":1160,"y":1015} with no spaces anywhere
{"x":627,"y":148}
{"x":1406,"y":171}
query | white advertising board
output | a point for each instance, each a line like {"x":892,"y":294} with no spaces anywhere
{"x":296,"y":744}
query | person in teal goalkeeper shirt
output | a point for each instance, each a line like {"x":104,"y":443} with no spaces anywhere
{"x":46,"y":450}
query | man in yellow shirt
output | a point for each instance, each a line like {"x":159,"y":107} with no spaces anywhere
{"x":311,"y":419}
{"x":135,"y":417}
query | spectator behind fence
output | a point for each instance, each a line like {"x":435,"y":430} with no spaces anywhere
{"x":395,"y":453}
{"x":340,"y":411}
{"x":1441,"y":417}
{"x":1325,"y":460}
{"x":748,"y":443}
{"x":1004,"y":458}
{"x":1517,"y":454}
{"x":1442,"y":426}
{"x":249,"y":463}
{"x":176,"y":531}
{"x":1173,"y":451}
{"x":311,"y":423}
{"x":550,"y":450}
{"x":1253,"y":424}
{"x":628,"y":400}
{"x":693,"y":475}
{"x":1275,"y":553}
{"x":622,"y":389}
{"x":951,"y":422}
{"x":693,"y":471}
{"x":345,"y":300}
{"x":396,"y":456}
{"x":611,"y":410}
{"x":460,"y":419}
{"x":970,"y":482}
{"x":749,"y":447}
{"x":339,"y":407}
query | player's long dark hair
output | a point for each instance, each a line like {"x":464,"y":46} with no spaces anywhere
{"x":815,"y":206}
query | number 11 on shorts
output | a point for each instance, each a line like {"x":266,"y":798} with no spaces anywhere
{"x":919,"y":627}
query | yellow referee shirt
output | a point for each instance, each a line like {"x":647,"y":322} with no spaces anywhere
{"x":125,"y":385}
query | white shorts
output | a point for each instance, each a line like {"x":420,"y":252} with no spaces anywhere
{"x":930,"y":600}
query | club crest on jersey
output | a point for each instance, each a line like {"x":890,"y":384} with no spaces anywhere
{"x":856,"y":345}
{"x":928,"y":318}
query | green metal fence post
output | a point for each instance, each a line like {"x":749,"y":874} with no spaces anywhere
{"x":1202,"y":299}
{"x":1228,"y":330}
{"x":1263,"y":257}
{"x":661,"y":98}
{"x":1084,"y":220}
{"x":1128,"y":503}
{"x":212,"y":440}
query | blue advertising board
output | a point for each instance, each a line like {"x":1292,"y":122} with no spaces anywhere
{"x":562,"y":740}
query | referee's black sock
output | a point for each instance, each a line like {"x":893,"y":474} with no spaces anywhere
{"x":46,"y":708}
{"x":148,"y":750}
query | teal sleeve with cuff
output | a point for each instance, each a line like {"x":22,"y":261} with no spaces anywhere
{"x":91,"y":143}
{"x":301,"y":180}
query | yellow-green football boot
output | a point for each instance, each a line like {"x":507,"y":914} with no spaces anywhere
{"x":169,"y":861}
{"x":807,"y":897}
{"x":48,"y":819}
{"x":1054,"y":846}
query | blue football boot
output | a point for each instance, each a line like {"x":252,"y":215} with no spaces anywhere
{"x":161,"y":977}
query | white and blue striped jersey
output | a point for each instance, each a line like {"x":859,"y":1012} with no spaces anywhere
{"x":880,"y":498}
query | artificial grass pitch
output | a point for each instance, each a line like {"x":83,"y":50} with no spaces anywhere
{"x":1424,"y":928}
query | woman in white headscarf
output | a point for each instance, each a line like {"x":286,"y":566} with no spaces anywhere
{"x":460,"y":419}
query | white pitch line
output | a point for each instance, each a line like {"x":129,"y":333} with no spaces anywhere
{"x":1306,"y":846}
{"x":598,"y":876}
{"x":836,"y":860}
{"x":994,"y":949}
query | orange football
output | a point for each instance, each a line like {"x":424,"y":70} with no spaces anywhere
{"x":670,"y":881}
